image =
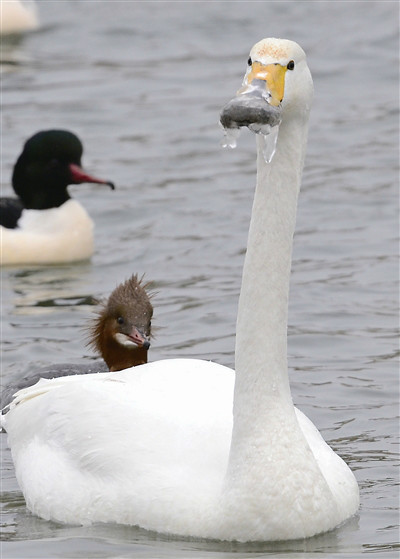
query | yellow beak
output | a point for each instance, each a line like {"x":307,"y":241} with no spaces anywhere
{"x":273,"y":75}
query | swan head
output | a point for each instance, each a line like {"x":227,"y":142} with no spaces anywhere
{"x":282,"y":66}
{"x":122,"y":330}
{"x":277,"y":83}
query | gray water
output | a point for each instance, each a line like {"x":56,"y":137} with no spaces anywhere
{"x":142,"y":84}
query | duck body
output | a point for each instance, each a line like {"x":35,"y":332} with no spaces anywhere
{"x":188,"y":447}
{"x":44,"y":225}
{"x":55,"y":236}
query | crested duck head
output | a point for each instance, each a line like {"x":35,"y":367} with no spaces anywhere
{"x":121,"y":332}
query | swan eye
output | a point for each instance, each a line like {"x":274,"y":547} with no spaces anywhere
{"x":290,"y":65}
{"x":120,"y":320}
{"x":249,"y":62}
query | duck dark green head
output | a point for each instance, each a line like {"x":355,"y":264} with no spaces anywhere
{"x":49,"y":162}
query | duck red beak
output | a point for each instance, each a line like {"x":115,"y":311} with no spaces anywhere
{"x":79,"y":176}
{"x":139,"y":339}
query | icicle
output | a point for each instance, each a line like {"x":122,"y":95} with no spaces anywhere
{"x":230,"y":137}
{"x":269,"y":133}
{"x":269,"y":143}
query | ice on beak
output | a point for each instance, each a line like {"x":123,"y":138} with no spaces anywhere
{"x":251,"y":109}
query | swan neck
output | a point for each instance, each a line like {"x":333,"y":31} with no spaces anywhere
{"x":261,"y":339}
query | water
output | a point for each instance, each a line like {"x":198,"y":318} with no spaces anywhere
{"x":142,"y":84}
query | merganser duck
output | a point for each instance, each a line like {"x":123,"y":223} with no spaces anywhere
{"x":188,"y":447}
{"x":18,"y":17}
{"x":120,"y":334}
{"x":44,"y":225}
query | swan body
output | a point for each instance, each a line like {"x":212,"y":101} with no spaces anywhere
{"x":115,"y":449}
{"x":18,"y":17}
{"x":44,"y":225}
{"x":189,"y":447}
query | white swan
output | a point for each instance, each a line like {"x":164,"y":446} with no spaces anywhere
{"x":157,"y":446}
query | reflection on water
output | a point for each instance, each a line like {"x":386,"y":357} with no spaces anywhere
{"x":143,"y":86}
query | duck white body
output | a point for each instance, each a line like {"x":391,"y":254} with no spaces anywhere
{"x":159,"y":446}
{"x":18,"y":17}
{"x":56,"y":235}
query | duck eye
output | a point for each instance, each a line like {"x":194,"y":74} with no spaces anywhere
{"x":290,"y":65}
{"x":249,"y":62}
{"x":120,"y":320}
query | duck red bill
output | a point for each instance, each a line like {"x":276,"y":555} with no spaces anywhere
{"x":79,"y":176}
{"x":139,"y":339}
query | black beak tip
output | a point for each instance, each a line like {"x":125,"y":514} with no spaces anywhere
{"x":146,"y":345}
{"x":247,"y":109}
{"x":111,"y":185}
